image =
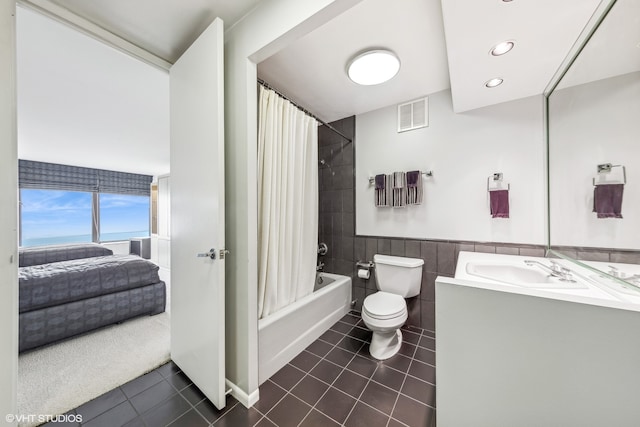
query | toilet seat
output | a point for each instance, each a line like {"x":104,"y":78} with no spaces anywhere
{"x":384,"y":306}
{"x":384,"y":313}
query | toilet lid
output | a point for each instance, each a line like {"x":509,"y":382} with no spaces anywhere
{"x":384,"y":305}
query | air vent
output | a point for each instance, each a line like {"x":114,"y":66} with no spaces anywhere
{"x":413,"y":115}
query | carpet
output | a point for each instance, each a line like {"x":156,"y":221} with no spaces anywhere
{"x":61,"y":377}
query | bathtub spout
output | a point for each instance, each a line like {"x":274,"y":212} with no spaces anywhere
{"x":320,"y":266}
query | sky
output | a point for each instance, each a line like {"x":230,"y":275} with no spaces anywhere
{"x":52,"y":213}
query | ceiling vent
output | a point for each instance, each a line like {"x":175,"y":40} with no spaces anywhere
{"x":413,"y":115}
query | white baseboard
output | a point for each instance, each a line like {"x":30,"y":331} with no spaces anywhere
{"x":248,"y":400}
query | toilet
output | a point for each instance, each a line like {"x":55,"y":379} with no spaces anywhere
{"x":385,"y":311}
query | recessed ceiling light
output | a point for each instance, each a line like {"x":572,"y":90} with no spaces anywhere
{"x":494,"y":82}
{"x":502,"y":48}
{"x":373,"y":67}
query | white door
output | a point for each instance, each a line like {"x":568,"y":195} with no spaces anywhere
{"x":197,"y":213}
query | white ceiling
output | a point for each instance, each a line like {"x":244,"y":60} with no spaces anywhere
{"x":83,"y":103}
{"x":543,"y":30}
{"x":78,"y":96}
{"x":312,"y":71}
{"x":163,"y":27}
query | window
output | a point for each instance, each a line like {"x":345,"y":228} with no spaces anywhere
{"x":72,"y":204}
{"x":53,"y":217}
{"x":123,"y":216}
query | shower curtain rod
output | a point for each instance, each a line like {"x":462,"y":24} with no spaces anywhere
{"x":268,"y":86}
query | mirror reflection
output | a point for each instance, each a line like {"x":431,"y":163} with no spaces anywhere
{"x":594,"y":150}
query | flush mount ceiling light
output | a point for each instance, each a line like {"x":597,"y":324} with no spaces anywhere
{"x":502,"y":48}
{"x":494,"y":82}
{"x":373,"y":67}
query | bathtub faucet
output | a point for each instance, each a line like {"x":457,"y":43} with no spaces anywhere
{"x":556,"y":270}
{"x":320,"y":266}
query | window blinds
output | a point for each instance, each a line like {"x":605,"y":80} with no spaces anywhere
{"x":51,"y":176}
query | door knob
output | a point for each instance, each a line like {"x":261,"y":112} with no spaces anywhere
{"x":211,"y":254}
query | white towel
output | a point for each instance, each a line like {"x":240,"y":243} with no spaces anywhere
{"x":399,"y":197}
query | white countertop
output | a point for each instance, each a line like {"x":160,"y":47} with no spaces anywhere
{"x":595,"y":292}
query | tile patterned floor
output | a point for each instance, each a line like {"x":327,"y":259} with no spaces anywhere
{"x":333,"y":382}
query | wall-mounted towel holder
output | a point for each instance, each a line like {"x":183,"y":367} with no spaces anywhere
{"x":496,"y":178}
{"x":372,"y":179}
{"x":364,"y":269}
{"x":605,"y":168}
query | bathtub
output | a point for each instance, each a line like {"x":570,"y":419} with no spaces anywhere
{"x":285,"y":333}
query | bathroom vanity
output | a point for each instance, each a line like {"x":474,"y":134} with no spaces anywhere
{"x":518,"y":345}
{"x":542,"y":342}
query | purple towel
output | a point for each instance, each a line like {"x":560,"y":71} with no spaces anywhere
{"x":412,"y":178}
{"x":380,"y":182}
{"x":499,"y":202}
{"x":607,"y":200}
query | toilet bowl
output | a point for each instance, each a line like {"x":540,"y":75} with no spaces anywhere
{"x":385,"y":311}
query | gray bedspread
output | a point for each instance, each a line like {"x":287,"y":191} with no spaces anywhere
{"x":52,"y":324}
{"x":37,"y":255}
{"x":54,"y":284}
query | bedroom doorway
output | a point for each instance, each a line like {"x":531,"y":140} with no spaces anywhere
{"x":192,"y":198}
{"x":86,"y":105}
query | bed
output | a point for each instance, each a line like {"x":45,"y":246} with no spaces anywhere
{"x":67,"y":290}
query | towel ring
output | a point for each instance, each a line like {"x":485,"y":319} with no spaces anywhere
{"x":606,"y":168}
{"x":496,"y":177}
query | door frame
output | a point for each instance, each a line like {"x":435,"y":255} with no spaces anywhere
{"x":270,"y":27}
{"x":9,"y":214}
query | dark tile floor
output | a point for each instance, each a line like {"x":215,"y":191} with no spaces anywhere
{"x":333,"y":382}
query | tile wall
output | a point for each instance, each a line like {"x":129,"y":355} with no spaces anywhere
{"x":336,"y":228}
{"x":336,"y":221}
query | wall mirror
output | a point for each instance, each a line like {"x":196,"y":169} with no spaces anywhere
{"x":594,"y":148}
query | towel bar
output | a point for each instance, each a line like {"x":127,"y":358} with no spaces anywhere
{"x":427,"y":174}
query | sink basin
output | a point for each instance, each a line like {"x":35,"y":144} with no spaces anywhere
{"x":519,"y":275}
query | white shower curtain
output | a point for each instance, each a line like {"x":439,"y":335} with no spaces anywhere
{"x":287,"y":202}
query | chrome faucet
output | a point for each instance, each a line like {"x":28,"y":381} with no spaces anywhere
{"x":633,"y":279}
{"x":556,"y":270}
{"x":614,"y":272}
{"x":320,"y":266}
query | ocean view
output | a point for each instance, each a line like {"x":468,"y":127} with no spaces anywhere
{"x":83,"y":238}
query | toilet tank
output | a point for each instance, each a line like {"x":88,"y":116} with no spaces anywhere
{"x":398,"y":275}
